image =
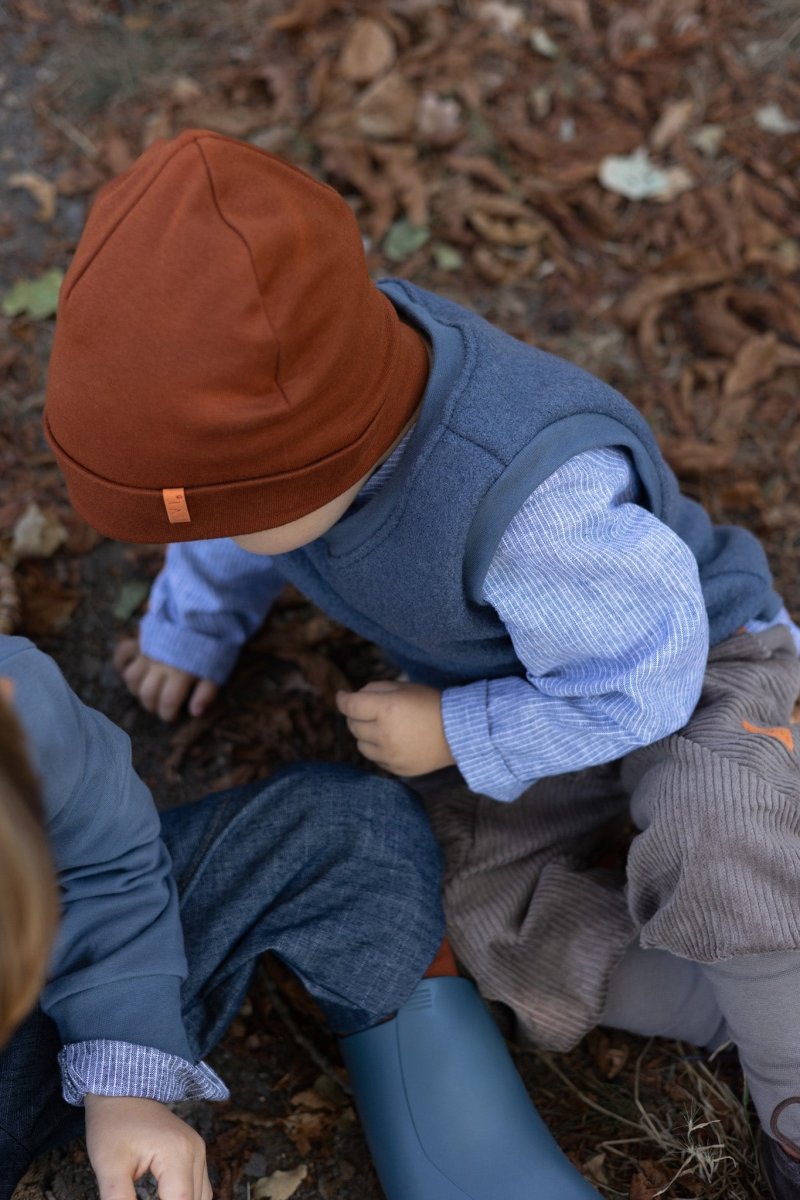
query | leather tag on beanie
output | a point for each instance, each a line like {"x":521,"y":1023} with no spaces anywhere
{"x":176,"y":506}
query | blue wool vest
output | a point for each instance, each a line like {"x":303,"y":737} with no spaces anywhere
{"x":406,"y":570}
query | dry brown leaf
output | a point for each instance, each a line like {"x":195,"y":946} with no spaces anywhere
{"x":756,"y":362}
{"x":479,"y":167}
{"x":9,"y":600}
{"x":649,"y":1181}
{"x":576,"y":11}
{"x":595,"y":1169}
{"x":232,"y":120}
{"x":400,"y":167}
{"x":313,"y":1100}
{"x":305,"y":1128}
{"x":609,"y":1057}
{"x":280,"y":1185}
{"x":47,"y":606}
{"x":498,"y":270}
{"x":387,"y":109}
{"x":43,"y":191}
{"x":303,"y":15}
{"x":672,"y":122}
{"x":503,"y":232}
{"x":721,"y":330}
{"x":696,"y":458}
{"x":369,"y":51}
{"x":349,"y":158}
{"x":655,"y":289}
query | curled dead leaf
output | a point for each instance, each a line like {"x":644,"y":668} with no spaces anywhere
{"x":42,"y":190}
{"x":507,"y":231}
{"x":499,"y":268}
{"x":756,"y":362}
{"x":672,"y":122}
{"x":388,"y":108}
{"x":280,"y":1185}
{"x":369,"y":51}
{"x":656,"y":289}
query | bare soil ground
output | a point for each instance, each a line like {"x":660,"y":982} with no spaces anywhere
{"x":489,"y":152}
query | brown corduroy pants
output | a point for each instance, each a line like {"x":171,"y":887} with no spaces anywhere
{"x":542,"y":898}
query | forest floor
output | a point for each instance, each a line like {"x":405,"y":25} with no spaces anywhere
{"x":616,"y":182}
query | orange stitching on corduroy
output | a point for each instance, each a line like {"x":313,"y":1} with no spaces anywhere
{"x":781,"y":733}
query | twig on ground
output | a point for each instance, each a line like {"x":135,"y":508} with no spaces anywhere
{"x":284,"y":1012}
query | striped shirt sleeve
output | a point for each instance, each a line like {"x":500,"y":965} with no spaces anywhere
{"x":605,"y":611}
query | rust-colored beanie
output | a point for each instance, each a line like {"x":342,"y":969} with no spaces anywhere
{"x":223,"y":363}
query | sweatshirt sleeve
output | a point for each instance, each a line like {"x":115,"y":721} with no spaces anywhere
{"x":209,"y":598}
{"x":119,"y":960}
{"x":604,"y":608}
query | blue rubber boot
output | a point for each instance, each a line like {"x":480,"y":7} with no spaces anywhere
{"x":444,"y":1110}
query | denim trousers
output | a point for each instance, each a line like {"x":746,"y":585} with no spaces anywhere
{"x":335,"y":872}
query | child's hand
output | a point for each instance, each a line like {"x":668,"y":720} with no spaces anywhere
{"x":160,"y":688}
{"x":398,"y":726}
{"x":126,"y":1138}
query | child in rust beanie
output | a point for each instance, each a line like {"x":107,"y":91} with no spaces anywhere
{"x":505,"y":527}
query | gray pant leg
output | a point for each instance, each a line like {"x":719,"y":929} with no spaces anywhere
{"x":654,"y":994}
{"x":760,"y":997}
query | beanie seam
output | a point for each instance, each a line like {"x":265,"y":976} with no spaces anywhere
{"x":248,"y":248}
{"x":122,"y":219}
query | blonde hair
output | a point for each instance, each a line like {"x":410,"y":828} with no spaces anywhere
{"x":28,"y":892}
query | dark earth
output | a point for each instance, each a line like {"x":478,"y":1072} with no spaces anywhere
{"x":476,"y":143}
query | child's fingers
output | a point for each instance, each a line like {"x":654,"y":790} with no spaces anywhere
{"x":126,"y":651}
{"x":204,"y":694}
{"x":375,"y":754}
{"x":360,"y":706}
{"x":363,"y":731}
{"x":113,"y":1183}
{"x":173,"y":692}
{"x":376,"y":686}
{"x":149,"y":689}
{"x":135,"y":672}
{"x":181,"y":1181}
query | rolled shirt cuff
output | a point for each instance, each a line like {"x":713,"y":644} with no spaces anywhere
{"x":200,"y":654}
{"x":110,"y":1068}
{"x":465,"y":717}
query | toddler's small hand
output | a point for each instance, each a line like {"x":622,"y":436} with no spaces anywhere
{"x":158,"y":687}
{"x":398,"y":726}
{"x":127,"y":1137}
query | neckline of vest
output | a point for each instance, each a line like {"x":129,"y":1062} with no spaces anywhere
{"x":448,"y":363}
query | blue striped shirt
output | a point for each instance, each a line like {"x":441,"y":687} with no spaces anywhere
{"x":601,"y":600}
